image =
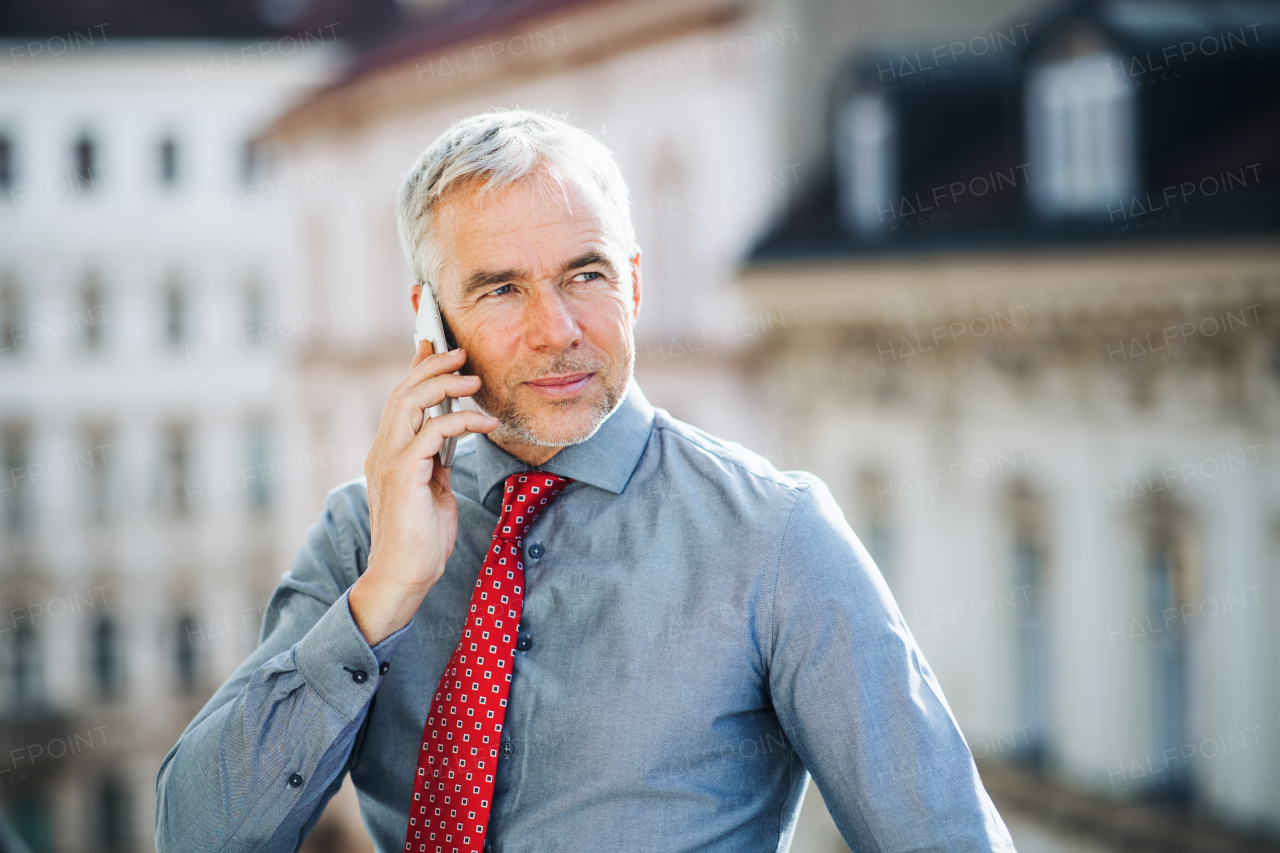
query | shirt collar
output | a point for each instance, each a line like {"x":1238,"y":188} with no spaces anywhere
{"x":605,"y":460}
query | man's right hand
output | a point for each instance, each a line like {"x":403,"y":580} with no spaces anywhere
{"x":413,"y":516}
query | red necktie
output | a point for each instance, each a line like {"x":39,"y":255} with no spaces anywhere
{"x":453,"y":790}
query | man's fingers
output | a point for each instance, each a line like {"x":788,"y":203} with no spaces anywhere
{"x":431,"y":437}
{"x":431,"y":364}
{"x":431,"y":391}
{"x":424,"y":349}
{"x":411,"y":404}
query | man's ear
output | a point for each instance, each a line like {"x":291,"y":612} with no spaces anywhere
{"x":415,"y":293}
{"x":635,"y":288}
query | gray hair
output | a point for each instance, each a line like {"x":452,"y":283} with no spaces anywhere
{"x":501,"y":148}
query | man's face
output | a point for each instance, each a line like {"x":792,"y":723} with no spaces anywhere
{"x":538,"y":290}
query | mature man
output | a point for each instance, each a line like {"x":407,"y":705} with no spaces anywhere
{"x":603,"y":629}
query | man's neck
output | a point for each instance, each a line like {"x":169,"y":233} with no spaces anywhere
{"x":533,"y":455}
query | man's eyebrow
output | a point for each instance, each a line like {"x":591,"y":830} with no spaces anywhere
{"x":592,"y":258}
{"x":480,"y":280}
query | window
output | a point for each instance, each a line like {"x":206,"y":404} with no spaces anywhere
{"x":1080,"y":137}
{"x":31,"y":816}
{"x":93,"y":461}
{"x":168,"y":161}
{"x":250,"y":162}
{"x":1170,"y":581}
{"x":867,"y":163}
{"x":1027,"y":520}
{"x":106,"y":661}
{"x":85,"y":154}
{"x":875,"y":495}
{"x":16,"y":487}
{"x":6,"y":163}
{"x":26,"y":672}
{"x":255,"y":312}
{"x":92,"y":316}
{"x":259,"y":446}
{"x":12,"y":335}
{"x":106,"y":658}
{"x":177,"y":469}
{"x":113,"y":830}
{"x":175,"y":313}
{"x":187,"y":659}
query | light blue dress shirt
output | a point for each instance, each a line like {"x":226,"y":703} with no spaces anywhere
{"x":703,"y":632}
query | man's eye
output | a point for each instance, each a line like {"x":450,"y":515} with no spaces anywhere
{"x":499,"y":291}
{"x":594,"y":274}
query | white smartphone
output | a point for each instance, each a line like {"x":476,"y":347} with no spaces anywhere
{"x":430,"y":327}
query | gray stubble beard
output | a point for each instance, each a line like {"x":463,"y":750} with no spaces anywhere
{"x":515,"y":423}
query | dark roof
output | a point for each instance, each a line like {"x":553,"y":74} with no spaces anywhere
{"x":375,"y":76}
{"x":1218,"y":114}
{"x":232,"y":19}
{"x":381,"y":31}
{"x":452,"y":23}
{"x":1155,"y":22}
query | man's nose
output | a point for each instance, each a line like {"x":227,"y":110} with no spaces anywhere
{"x":550,"y":322}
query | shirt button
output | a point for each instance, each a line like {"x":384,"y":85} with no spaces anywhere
{"x":524,"y":643}
{"x":295,"y":781}
{"x":383,"y":669}
{"x":506,"y":747}
{"x":359,"y":676}
{"x":536,"y":550}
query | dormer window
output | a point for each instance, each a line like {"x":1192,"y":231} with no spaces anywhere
{"x":6,"y":162}
{"x":866,"y":137}
{"x":175,"y":312}
{"x":167,"y":161}
{"x":1081,"y":141}
{"x":85,"y":154}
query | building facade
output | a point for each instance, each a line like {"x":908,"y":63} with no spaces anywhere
{"x":1047,"y":407}
{"x":1079,"y":530}
{"x":1038,"y":356}
{"x":146,"y":452}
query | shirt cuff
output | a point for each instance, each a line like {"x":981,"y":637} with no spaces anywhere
{"x":335,"y":660}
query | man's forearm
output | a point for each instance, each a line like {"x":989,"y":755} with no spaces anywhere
{"x":256,"y":765}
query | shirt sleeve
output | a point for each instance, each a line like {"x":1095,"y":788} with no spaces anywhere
{"x":254,"y":769}
{"x":860,"y":704}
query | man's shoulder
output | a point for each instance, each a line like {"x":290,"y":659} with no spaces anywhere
{"x":348,"y":504}
{"x":720,"y":459}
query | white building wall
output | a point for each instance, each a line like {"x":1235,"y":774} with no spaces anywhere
{"x":145,"y":565}
{"x":1204,"y":435}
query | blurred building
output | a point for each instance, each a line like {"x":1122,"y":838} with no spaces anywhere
{"x":1042,"y":382}
{"x":1039,"y":356}
{"x":143,"y":350}
{"x":927,"y":250}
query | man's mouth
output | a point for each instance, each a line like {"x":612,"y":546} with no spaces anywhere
{"x":560,"y":387}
